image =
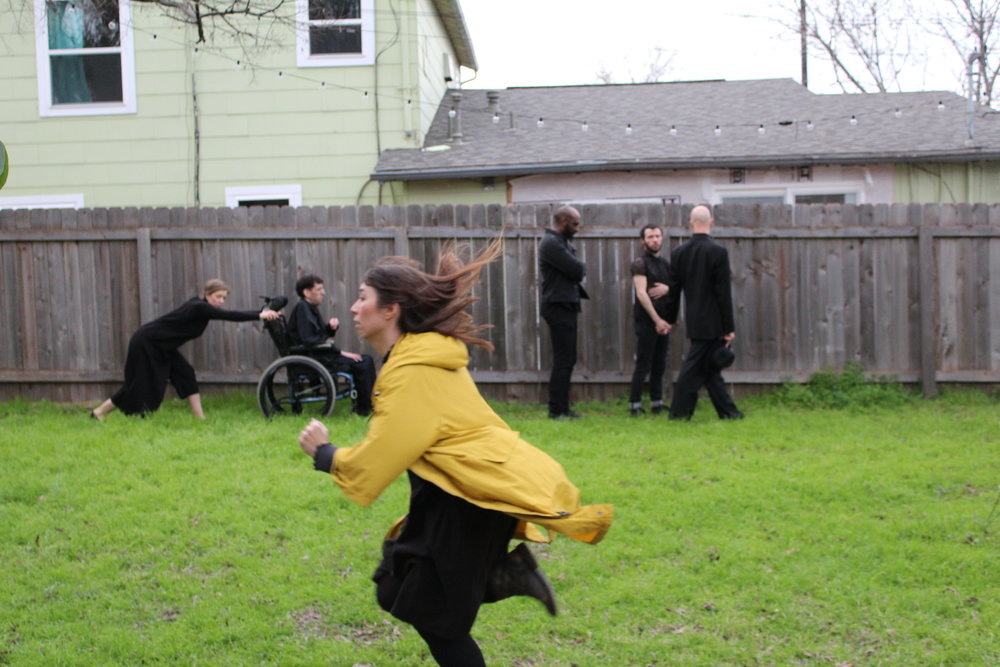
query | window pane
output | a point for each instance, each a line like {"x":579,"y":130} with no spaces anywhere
{"x":321,"y":10}
{"x":83,"y":24}
{"x":753,"y":199}
{"x":821,"y":199}
{"x":83,"y":79}
{"x":335,"y":39}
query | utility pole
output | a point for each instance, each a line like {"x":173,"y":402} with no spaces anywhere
{"x":803,"y":41}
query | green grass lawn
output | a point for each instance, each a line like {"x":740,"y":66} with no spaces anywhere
{"x":797,"y":536}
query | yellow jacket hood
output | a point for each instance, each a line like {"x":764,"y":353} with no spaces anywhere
{"x":429,"y":417}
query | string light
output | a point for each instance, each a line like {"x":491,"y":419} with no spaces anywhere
{"x":240,"y":64}
{"x":452,"y":113}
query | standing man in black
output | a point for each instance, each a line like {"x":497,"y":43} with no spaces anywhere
{"x":699,"y":268}
{"x":307,"y":328}
{"x":562,"y":274}
{"x":650,"y":275}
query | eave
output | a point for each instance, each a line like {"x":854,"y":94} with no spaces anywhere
{"x":485,"y":171}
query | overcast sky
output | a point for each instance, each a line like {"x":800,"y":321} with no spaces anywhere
{"x":553,"y":42}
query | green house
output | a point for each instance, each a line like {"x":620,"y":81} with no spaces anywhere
{"x":112,"y":103}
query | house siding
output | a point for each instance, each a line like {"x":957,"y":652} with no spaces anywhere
{"x":255,"y":128}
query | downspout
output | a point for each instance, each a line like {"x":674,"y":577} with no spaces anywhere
{"x":197,"y":140}
{"x":973,"y":57}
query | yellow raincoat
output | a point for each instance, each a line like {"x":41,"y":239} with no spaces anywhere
{"x":430,"y":418}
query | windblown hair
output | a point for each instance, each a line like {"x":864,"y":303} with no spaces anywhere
{"x":212,"y":286}
{"x":434,"y":301}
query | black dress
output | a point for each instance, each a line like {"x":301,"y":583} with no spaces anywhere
{"x":434,"y":574}
{"x":153,"y":359}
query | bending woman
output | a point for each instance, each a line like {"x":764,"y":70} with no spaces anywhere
{"x":474,"y":483}
{"x":153,"y":359}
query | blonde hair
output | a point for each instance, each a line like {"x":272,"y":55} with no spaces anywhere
{"x":212,"y":286}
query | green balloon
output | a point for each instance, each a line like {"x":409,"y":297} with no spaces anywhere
{"x":4,"y":164}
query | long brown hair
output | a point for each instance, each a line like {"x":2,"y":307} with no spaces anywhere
{"x":434,"y":301}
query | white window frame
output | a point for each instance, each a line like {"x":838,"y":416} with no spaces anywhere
{"x":43,"y":201}
{"x":235,"y":195}
{"x":788,"y":191}
{"x":126,"y":48}
{"x":305,"y":58}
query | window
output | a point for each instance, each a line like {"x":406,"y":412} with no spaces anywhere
{"x":335,"y":32}
{"x":264,"y":195}
{"x":811,"y":193}
{"x":84,"y":57}
{"x":43,"y":201}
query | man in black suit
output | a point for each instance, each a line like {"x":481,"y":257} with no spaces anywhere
{"x":699,"y":268}
{"x":562,"y":274}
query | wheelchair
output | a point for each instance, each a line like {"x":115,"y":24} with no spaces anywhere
{"x":297,"y":383}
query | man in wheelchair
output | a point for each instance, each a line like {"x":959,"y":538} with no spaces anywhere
{"x":307,"y":328}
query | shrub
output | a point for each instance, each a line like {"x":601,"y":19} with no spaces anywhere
{"x":829,"y":389}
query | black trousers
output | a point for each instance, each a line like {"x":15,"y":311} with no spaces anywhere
{"x":697,"y":372}
{"x":363,"y":373}
{"x":562,"y":321}
{"x":650,"y":360}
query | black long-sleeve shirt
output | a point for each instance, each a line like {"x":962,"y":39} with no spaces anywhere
{"x":307,"y":327}
{"x":187,"y":322}
{"x":562,"y":272}
{"x":699,"y":268}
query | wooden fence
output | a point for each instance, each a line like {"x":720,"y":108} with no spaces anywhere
{"x":907,"y":291}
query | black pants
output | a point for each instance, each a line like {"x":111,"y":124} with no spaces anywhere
{"x":363,"y":373}
{"x":697,"y":372}
{"x":562,"y":321}
{"x":650,"y":360}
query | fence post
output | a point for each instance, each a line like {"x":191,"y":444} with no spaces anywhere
{"x":144,"y":260}
{"x":928,"y":342}
{"x":401,"y":241}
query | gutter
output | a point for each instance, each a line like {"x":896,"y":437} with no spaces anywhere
{"x":437,"y":173}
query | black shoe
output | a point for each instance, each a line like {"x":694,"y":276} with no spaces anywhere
{"x":564,"y":415}
{"x":734,"y":415}
{"x":636,"y":412}
{"x":658,"y":409}
{"x":518,"y":574}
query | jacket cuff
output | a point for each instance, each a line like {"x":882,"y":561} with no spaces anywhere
{"x":323,"y":458}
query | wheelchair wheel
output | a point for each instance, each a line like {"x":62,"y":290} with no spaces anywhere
{"x":296,"y":385}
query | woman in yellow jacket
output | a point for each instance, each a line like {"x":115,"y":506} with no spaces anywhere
{"x":474,"y":483}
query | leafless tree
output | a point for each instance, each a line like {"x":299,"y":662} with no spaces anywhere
{"x":866,"y":42}
{"x":653,"y":70}
{"x":970,"y":26}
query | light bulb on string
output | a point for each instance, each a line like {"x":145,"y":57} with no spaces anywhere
{"x":496,"y":118}
{"x":718,"y":130}
{"x":584,"y":126}
{"x":898,"y":113}
{"x":810,"y":126}
{"x":281,"y":74}
{"x":322,"y":85}
{"x":239,"y":64}
{"x":452,"y":113}
{"x":628,"y":129}
{"x":761,"y":130}
{"x":673,"y":130}
{"x":541,"y":122}
{"x":853,"y":121}
{"x":940,"y":106}
{"x":409,"y":105}
{"x":366,"y":96}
